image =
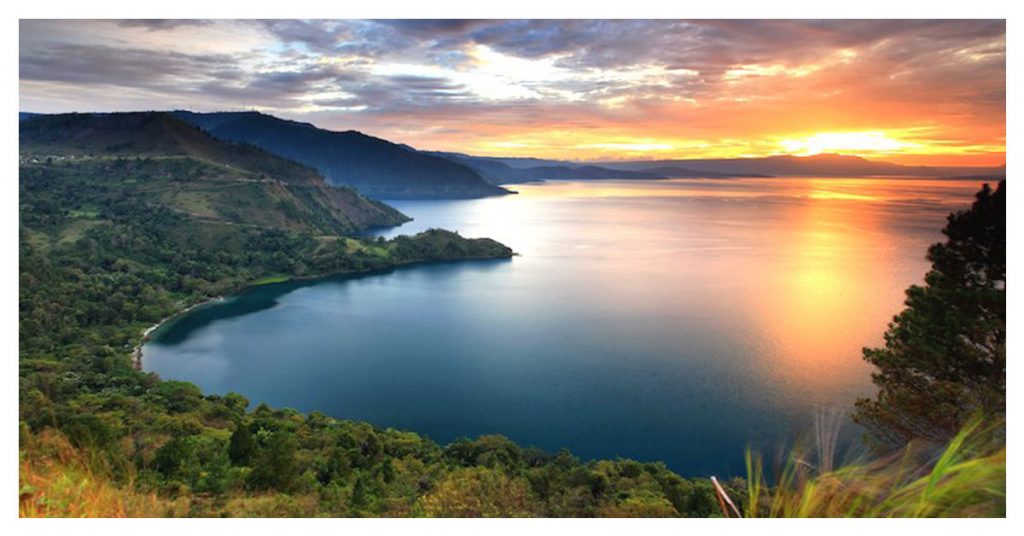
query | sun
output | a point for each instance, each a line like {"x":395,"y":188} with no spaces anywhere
{"x":876,"y":141}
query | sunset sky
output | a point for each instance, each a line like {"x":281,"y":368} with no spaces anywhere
{"x":921,"y":92}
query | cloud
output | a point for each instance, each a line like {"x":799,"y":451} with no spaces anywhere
{"x":436,"y":28}
{"x":321,"y":36}
{"x":128,"y":67}
{"x":161,"y":24}
{"x":454,"y":83}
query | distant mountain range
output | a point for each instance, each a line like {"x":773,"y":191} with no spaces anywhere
{"x":382,"y":169}
{"x":512,"y":170}
{"x":821,"y":165}
{"x":177,"y":164}
{"x":517,"y":170}
{"x":376,"y":167}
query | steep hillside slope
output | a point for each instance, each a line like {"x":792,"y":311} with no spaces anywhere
{"x":165,"y":160}
{"x":375,"y":167}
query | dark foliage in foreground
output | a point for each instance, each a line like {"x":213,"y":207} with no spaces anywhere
{"x":944,"y":358}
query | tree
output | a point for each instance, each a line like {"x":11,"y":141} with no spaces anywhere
{"x":480,"y":492}
{"x":236,"y":403}
{"x":275,"y":465}
{"x":179,"y":397}
{"x":242,"y":444}
{"x":360,"y":497}
{"x":944,"y":357}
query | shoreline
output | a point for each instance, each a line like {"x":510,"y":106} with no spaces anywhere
{"x":136,"y":355}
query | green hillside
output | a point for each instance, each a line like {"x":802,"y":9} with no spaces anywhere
{"x":161,"y":159}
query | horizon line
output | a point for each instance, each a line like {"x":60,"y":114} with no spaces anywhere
{"x":560,"y":160}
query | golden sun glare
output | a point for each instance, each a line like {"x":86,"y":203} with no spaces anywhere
{"x":845,"y":142}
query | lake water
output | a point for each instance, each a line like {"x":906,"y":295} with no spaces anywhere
{"x":676,"y":320}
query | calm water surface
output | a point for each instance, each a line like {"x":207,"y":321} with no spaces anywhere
{"x":659,"y":320}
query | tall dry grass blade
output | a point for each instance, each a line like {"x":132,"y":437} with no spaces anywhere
{"x":723,"y":496}
{"x":827,"y":424}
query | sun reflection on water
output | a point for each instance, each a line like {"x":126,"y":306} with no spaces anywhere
{"x":815,"y":312}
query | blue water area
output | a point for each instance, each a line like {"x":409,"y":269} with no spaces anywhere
{"x":680,"y":321}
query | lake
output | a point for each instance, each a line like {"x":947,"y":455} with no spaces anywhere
{"x":678,"y":320}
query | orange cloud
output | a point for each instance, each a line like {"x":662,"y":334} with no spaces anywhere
{"x":909,"y":91}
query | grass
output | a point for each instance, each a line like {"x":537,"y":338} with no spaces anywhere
{"x":195,"y":202}
{"x":77,"y":213}
{"x":270,"y":280}
{"x":76,"y":229}
{"x":37,"y":239}
{"x":965,"y":479}
{"x":56,"y":480}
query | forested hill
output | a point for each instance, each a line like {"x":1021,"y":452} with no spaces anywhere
{"x":184,"y":169}
{"x":375,"y":167}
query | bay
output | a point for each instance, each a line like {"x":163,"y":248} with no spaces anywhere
{"x":680,"y":320}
